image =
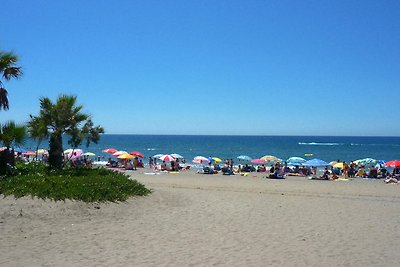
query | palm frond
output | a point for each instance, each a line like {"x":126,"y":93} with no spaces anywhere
{"x":3,"y":99}
{"x":12,"y":72}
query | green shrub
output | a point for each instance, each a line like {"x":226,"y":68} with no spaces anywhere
{"x":85,"y":184}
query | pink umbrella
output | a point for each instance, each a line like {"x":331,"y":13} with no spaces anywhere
{"x":167,"y":157}
{"x":29,"y":153}
{"x":259,"y":161}
{"x":201,"y":160}
{"x":76,"y":153}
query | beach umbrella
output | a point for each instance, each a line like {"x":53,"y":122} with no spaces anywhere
{"x":29,"y":153}
{"x":167,"y":157}
{"x":118,"y":153}
{"x":270,"y":158}
{"x":42,"y":151}
{"x":338,"y":165}
{"x":125,"y":156}
{"x":200,"y":160}
{"x":315,"y":163}
{"x":295,"y":161}
{"x":381,"y":162}
{"x":244,"y":157}
{"x":67,"y":151}
{"x":393,"y":163}
{"x":109,"y":150}
{"x":177,"y":156}
{"x":217,"y":160}
{"x":89,"y":154}
{"x":137,"y":153}
{"x":76,"y":153}
{"x":258,"y":161}
{"x":2,"y":148}
{"x":333,"y":162}
{"x":365,"y":161}
{"x":157,"y":156}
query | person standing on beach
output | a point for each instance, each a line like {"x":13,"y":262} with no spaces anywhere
{"x":345,"y":169}
{"x":135,"y":163}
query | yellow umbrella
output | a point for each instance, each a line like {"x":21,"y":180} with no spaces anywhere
{"x":125,"y":156}
{"x":338,"y":165}
{"x":270,"y":158}
{"x":42,"y":151}
{"x":89,"y":154}
{"x":217,"y":160}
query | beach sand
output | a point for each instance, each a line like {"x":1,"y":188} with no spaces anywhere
{"x":210,"y":220}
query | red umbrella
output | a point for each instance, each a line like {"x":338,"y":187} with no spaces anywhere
{"x":110,"y":150}
{"x":29,"y":153}
{"x":136,"y":153}
{"x":393,"y":163}
{"x":167,"y":157}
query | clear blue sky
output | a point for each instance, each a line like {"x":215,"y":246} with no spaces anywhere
{"x":211,"y":67}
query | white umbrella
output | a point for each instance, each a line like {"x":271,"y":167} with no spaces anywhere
{"x":200,"y":160}
{"x":120,"y":152}
{"x":76,"y":153}
{"x":158,"y":156}
{"x":167,"y":157}
{"x":295,"y":160}
{"x":67,"y":151}
{"x":177,"y":156}
{"x":244,"y":157}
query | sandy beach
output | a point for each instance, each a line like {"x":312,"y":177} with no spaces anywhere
{"x":210,"y":220}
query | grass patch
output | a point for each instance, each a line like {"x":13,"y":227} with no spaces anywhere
{"x":88,"y":185}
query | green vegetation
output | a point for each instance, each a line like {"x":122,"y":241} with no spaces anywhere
{"x":85,"y":184}
{"x":55,"y":181}
{"x":10,"y":134}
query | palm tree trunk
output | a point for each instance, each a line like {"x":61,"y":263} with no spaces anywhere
{"x":56,"y":151}
{"x":6,"y":159}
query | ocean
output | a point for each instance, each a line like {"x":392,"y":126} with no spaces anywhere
{"x":327,"y":148}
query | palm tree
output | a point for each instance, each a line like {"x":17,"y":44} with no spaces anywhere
{"x":59,"y":118}
{"x":38,"y":131}
{"x":10,"y":134}
{"x":8,"y":70}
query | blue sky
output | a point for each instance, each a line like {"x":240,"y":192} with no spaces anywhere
{"x":211,"y":67}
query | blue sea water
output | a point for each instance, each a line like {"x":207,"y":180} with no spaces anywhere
{"x":327,"y":148}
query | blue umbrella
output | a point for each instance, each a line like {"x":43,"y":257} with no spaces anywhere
{"x":243,"y":157}
{"x":315,"y":163}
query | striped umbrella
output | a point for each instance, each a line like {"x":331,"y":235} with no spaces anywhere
{"x":109,"y":150}
{"x":167,"y":157}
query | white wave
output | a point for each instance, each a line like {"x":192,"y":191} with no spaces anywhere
{"x":150,"y":149}
{"x":319,"y":144}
